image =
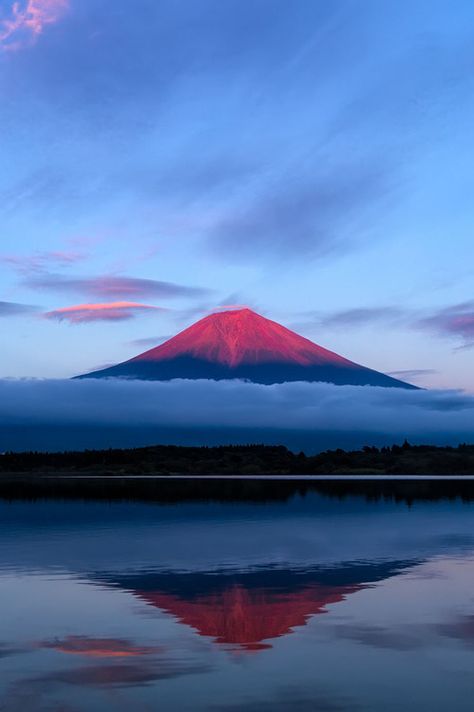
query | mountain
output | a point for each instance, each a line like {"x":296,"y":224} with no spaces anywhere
{"x":243,"y":344}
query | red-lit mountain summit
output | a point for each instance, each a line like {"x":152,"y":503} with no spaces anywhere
{"x":242,"y":344}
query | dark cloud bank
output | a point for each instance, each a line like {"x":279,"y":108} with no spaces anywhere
{"x":57,"y":414}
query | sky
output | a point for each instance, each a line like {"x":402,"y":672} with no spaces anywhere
{"x":311,"y":160}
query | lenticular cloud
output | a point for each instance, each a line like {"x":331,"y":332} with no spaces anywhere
{"x":110,"y":311}
{"x":228,"y":407}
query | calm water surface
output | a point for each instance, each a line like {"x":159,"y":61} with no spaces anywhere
{"x":308,"y":602}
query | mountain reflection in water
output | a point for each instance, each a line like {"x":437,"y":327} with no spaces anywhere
{"x":250,"y":609}
{"x":289,"y":599}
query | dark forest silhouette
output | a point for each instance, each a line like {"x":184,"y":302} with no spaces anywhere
{"x":245,"y":460}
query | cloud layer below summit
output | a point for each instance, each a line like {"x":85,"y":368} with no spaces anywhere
{"x":276,"y":413}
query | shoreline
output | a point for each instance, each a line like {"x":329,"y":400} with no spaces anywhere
{"x":349,"y":477}
{"x":173,"y":489}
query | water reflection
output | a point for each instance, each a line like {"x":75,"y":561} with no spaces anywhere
{"x":249,"y":609}
{"x":98,"y":647}
{"x":121,"y":674}
{"x":303,"y":603}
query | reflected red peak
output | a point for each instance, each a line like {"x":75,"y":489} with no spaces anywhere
{"x":248,"y":617}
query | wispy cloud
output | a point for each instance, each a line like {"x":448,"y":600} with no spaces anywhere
{"x":230,"y":307}
{"x":363,"y":315}
{"x":413,"y":373}
{"x":111,"y":311}
{"x":112,"y":287}
{"x":26,"y":21}
{"x":355,"y":318}
{"x":300,"y":214}
{"x":39,"y":261}
{"x":15,"y":309}
{"x":455,"y":321}
{"x":147,"y":342}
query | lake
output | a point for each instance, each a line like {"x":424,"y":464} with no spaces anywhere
{"x":238,"y":596}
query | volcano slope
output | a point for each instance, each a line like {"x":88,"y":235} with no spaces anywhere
{"x":240,"y":344}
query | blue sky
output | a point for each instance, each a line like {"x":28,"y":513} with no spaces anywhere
{"x":312,"y":160}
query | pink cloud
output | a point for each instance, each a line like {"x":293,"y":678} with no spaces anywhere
{"x":27,"y":21}
{"x":111,"y":311}
{"x":455,"y":321}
